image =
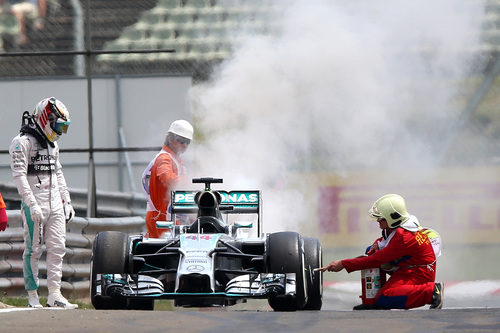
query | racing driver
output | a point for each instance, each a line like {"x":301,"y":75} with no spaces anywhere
{"x":46,"y":204}
{"x":163,"y":172}
{"x":407,"y":252}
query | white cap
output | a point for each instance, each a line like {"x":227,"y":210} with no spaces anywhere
{"x":182,"y":128}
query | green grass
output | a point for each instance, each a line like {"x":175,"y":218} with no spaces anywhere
{"x":13,"y":301}
{"x":22,"y":302}
{"x":164,"y":305}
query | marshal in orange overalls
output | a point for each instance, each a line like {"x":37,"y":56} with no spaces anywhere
{"x":165,"y":173}
{"x":3,"y":215}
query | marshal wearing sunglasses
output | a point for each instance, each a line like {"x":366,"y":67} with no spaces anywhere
{"x":163,"y":172}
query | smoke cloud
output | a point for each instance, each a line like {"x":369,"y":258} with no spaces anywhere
{"x":341,"y":85}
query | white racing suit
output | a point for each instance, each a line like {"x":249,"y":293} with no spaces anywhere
{"x":39,"y":179}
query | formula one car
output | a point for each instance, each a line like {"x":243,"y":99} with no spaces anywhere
{"x":210,"y":262}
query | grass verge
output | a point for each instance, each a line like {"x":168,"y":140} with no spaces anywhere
{"x":22,"y":302}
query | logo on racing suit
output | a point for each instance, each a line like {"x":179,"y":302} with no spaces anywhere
{"x":42,"y":158}
{"x":40,"y":168}
{"x":41,"y":163}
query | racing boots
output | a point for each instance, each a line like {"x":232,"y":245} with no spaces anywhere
{"x":33,"y":301}
{"x":57,"y":300}
{"x":437,"y":296}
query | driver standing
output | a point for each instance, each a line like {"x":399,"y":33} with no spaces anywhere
{"x":46,"y":204}
{"x":407,"y":251}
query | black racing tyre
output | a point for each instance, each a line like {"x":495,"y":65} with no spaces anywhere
{"x":101,"y":302}
{"x":94,"y":298}
{"x":111,"y":253}
{"x":141,"y":304}
{"x":285,"y":255}
{"x":107,"y":245}
{"x":313,"y":259}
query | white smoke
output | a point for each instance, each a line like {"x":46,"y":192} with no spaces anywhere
{"x":344,"y":84}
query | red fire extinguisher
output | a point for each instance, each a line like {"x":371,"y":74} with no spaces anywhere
{"x":372,"y":279}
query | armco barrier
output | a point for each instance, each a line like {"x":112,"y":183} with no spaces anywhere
{"x":76,"y":266}
{"x":109,"y":204}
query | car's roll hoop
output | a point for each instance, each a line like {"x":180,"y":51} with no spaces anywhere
{"x":207,"y":181}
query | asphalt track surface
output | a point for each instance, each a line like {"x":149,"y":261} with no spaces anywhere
{"x":241,"y":321}
{"x":469,"y":307}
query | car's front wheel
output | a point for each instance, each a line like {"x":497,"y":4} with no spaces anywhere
{"x":109,"y":255}
{"x":285,"y":255}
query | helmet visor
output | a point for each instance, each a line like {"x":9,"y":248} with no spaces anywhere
{"x":60,"y":125}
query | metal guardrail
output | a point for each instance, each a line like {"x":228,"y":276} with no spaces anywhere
{"x":109,"y":203}
{"x":76,"y":265}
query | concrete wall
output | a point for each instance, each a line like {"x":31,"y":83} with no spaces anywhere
{"x":148,"y":106}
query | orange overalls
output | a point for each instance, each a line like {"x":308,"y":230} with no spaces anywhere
{"x":3,"y":215}
{"x":165,"y":173}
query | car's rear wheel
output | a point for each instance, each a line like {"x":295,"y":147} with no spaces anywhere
{"x":313,"y":259}
{"x":285,"y":255}
{"x":109,"y":255}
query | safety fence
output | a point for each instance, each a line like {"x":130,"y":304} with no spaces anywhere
{"x":110,"y":203}
{"x":76,"y":266}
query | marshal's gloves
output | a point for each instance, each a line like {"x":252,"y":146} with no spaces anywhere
{"x":36,"y":213}
{"x":69,"y":212}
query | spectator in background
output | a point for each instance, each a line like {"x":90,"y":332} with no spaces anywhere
{"x":3,"y":215}
{"x":163,"y":172}
{"x":28,"y":11}
{"x":46,"y":204}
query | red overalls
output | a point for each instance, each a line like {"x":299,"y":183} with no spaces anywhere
{"x":412,"y":284}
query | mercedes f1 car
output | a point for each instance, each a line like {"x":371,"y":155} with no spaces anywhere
{"x":212,"y":261}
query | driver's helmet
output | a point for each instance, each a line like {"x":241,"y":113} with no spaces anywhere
{"x":392,"y":208}
{"x":52,"y":118}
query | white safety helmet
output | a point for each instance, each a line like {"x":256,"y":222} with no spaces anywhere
{"x":52,"y":118}
{"x":182,"y":128}
{"x":392,"y":208}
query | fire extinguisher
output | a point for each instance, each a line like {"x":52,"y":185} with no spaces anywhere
{"x":372,"y":280}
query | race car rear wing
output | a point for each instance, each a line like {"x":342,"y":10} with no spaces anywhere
{"x":233,"y":202}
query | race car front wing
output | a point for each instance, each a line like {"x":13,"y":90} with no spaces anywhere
{"x":244,"y":286}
